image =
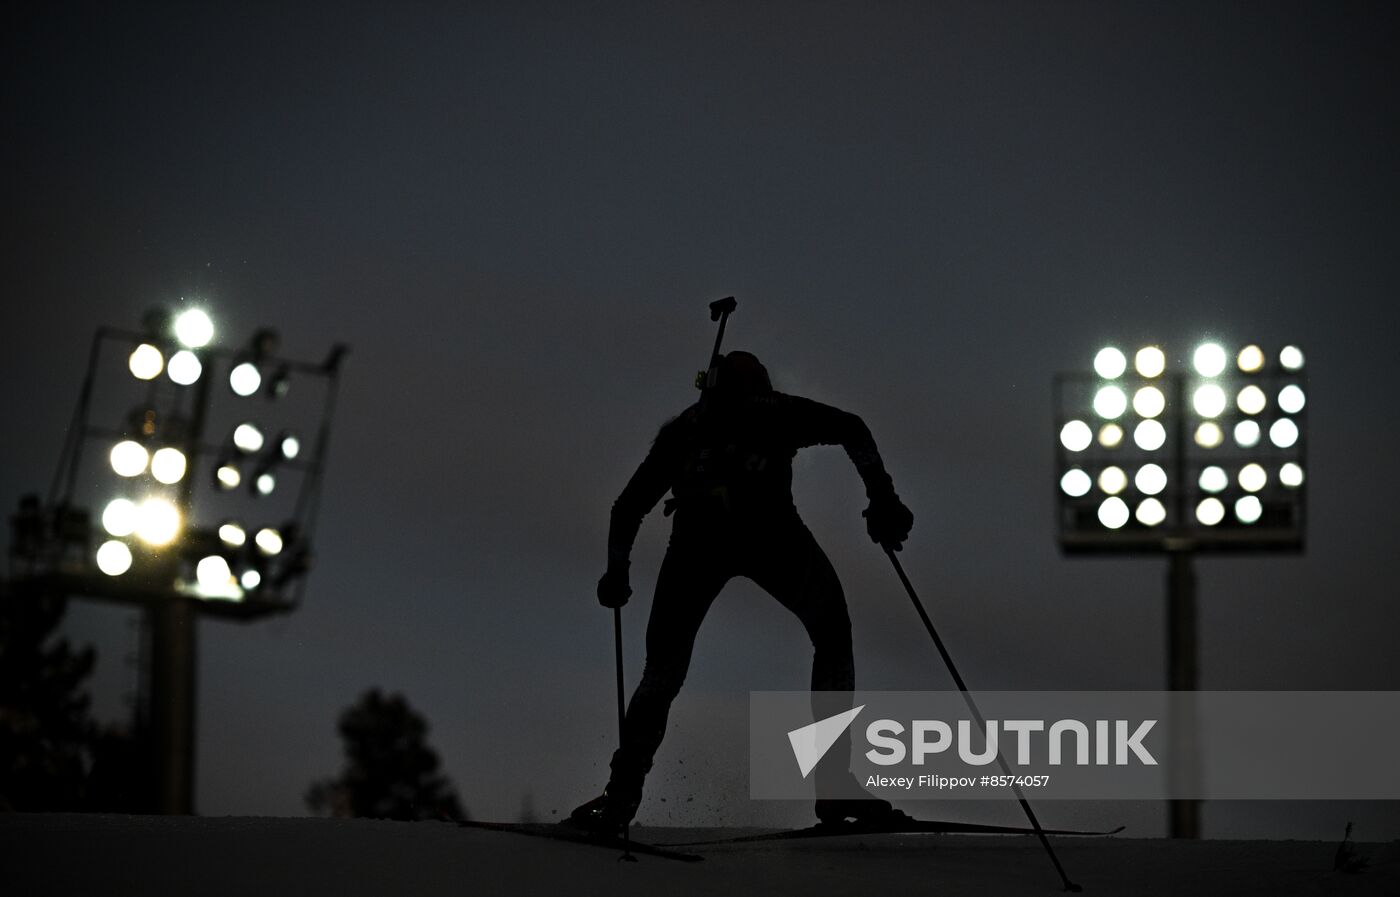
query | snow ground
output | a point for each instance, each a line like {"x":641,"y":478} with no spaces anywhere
{"x":111,"y":856}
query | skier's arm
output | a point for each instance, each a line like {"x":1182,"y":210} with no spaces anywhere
{"x":887,"y":520}
{"x":651,"y":480}
{"x":812,"y":423}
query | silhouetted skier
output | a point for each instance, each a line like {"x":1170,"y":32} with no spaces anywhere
{"x":727,"y":461}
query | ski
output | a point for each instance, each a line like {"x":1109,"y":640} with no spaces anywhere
{"x":911,"y":827}
{"x":562,"y":831}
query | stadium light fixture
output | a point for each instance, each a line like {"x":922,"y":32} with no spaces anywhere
{"x":169,"y":538}
{"x":151,"y":521}
{"x":1216,"y":462}
{"x":1214,"y":429}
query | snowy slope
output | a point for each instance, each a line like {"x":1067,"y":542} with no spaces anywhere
{"x":112,"y":856}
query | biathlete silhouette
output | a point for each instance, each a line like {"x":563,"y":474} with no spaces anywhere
{"x":727,"y":461}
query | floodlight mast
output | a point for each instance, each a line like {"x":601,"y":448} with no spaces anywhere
{"x":1183,"y":816}
{"x":1186,"y":532}
{"x":46,"y":541}
{"x":175,"y":646}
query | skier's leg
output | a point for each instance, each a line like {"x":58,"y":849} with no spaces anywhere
{"x":792,"y":567}
{"x":795,"y":570}
{"x":691,"y":576}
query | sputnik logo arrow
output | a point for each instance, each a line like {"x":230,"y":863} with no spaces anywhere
{"x":810,"y":743}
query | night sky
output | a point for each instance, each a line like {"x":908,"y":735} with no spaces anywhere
{"x":516,"y":215}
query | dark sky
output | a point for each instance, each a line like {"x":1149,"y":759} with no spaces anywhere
{"x":516,"y":215}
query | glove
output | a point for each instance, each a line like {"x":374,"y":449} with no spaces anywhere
{"x":888,"y":521}
{"x":613,"y":588}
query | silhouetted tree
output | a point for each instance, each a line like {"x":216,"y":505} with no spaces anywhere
{"x":45,"y":728}
{"x":121,"y":778}
{"x":390,"y":772}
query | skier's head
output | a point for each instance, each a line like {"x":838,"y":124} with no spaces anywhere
{"x":741,"y":374}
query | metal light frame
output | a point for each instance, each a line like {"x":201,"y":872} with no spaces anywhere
{"x":1282,"y":523}
{"x":54,"y":547}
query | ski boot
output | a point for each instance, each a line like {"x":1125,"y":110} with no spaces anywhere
{"x":865,"y":812}
{"x":608,"y":813}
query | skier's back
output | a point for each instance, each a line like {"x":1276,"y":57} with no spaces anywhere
{"x":727,"y":460}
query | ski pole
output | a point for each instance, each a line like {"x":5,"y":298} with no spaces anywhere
{"x":621,"y":716}
{"x":977,"y":715}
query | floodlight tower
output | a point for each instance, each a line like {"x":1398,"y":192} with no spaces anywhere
{"x":1166,"y":458}
{"x":171,"y":539}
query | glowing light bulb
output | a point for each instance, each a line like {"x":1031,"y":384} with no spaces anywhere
{"x":129,"y":458}
{"x":1253,"y":477}
{"x":1210,"y":511}
{"x":1113,"y":480}
{"x":1076,"y":483}
{"x":248,"y":438}
{"x":1291,"y":399}
{"x":1283,"y":433}
{"x":1150,"y":512}
{"x":1149,"y":401}
{"x":158,"y":522}
{"x":1251,"y":359}
{"x":184,"y":367}
{"x":244,"y":379}
{"x":114,"y":558}
{"x":1209,"y":400}
{"x":146,"y":362}
{"x":168,"y":465}
{"x":1150,"y":362}
{"x":1214,"y":479}
{"x":1209,"y":435}
{"x":268,"y":540}
{"x":1076,"y":436}
{"x":1150,"y":479}
{"x":213,"y":574}
{"x":1209,"y":360}
{"x":1248,"y":509}
{"x":1252,"y":400}
{"x":1110,"y":402}
{"x":194,"y":329}
{"x":1150,"y":435}
{"x":1110,"y":363}
{"x":1113,"y":513}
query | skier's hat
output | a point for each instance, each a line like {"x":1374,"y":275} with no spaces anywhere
{"x":741,"y":374}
